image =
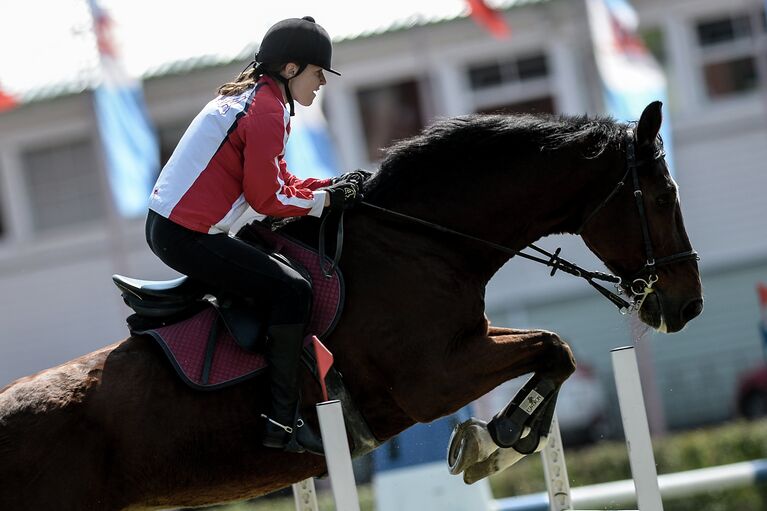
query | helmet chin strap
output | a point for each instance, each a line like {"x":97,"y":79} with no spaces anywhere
{"x":285,"y":81}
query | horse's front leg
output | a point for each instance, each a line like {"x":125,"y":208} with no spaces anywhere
{"x":537,"y":351}
{"x":470,"y":367}
{"x":479,"y":364}
{"x":482,"y":363}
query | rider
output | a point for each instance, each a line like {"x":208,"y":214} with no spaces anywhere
{"x":231,"y":157}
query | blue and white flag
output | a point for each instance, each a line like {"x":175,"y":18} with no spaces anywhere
{"x":630,"y":75}
{"x":310,"y":151}
{"x":128,"y":139}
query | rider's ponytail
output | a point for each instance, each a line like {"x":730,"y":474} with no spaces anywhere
{"x":248,"y":78}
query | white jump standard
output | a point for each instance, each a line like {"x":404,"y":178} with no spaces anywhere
{"x":645,"y":477}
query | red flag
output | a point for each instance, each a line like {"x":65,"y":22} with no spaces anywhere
{"x":489,"y":18}
{"x":7,"y":102}
{"x":761,"y":289}
{"x":324,"y":362}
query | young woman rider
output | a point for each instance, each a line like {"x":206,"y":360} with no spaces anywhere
{"x":231,"y":157}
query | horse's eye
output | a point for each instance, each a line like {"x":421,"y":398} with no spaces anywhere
{"x":665,"y":200}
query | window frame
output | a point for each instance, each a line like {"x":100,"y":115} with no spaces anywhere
{"x":516,"y":91}
{"x":420,"y":83}
{"x":729,"y":51}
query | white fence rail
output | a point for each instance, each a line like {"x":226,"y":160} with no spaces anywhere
{"x":621,"y":493}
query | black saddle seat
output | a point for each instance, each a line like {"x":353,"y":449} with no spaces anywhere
{"x":158,"y":298}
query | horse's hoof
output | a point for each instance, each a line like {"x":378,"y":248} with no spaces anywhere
{"x":481,"y":470}
{"x":499,"y":460}
{"x":469,"y":443}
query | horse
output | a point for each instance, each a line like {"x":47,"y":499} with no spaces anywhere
{"x":116,"y":429}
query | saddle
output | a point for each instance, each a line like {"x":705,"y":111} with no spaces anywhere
{"x":216,"y":341}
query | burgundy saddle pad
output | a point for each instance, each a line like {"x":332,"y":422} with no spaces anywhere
{"x":187,"y":342}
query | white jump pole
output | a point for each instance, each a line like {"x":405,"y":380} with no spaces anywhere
{"x":337,"y":455}
{"x":636,"y":429}
{"x":305,"y":496}
{"x":555,"y":470}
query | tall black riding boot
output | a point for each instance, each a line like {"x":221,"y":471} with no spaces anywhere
{"x":284,"y":428}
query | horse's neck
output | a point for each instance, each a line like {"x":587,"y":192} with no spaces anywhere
{"x":529,"y":203}
{"x":556,"y":200}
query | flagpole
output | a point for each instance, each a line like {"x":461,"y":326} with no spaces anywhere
{"x":115,"y":236}
{"x":128,"y":150}
{"x":115,"y":224}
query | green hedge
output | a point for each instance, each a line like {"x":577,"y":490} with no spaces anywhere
{"x":608,"y":461}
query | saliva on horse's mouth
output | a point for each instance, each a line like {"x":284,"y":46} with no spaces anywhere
{"x":651,"y":313}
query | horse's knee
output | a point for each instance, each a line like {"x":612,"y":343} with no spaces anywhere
{"x":559,"y":357}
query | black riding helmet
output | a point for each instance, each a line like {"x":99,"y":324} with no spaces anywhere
{"x":296,"y":40}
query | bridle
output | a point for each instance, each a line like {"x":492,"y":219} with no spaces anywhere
{"x":640,"y":287}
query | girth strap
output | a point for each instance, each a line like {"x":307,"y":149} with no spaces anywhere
{"x":328,"y":270}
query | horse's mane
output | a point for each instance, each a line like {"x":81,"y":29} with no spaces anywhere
{"x":454,"y":147}
{"x":451,"y":145}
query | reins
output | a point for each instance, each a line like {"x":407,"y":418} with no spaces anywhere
{"x":640,"y":287}
{"x":552,"y":260}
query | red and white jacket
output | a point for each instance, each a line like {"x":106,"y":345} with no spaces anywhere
{"x":232,"y":157}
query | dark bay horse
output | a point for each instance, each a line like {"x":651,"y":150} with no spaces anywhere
{"x":116,"y":429}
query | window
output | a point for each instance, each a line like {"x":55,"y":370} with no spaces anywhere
{"x":389,"y":113}
{"x":732,"y":76}
{"x":63,"y":185}
{"x":517,"y":84}
{"x":724,"y":30}
{"x":517,"y":69}
{"x":728,"y":47}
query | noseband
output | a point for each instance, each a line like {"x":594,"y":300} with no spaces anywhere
{"x":640,"y":287}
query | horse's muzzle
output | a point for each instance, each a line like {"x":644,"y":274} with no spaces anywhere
{"x":665,"y":317}
{"x":692,"y":309}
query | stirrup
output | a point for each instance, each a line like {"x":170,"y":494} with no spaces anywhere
{"x":305,"y":440}
{"x":298,"y":439}
{"x":287,"y":429}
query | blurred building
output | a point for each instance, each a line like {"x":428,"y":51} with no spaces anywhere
{"x":59,"y":244}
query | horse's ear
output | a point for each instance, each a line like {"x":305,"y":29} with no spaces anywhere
{"x":649,"y":123}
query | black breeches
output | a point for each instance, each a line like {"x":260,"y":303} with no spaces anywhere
{"x":232,"y":266}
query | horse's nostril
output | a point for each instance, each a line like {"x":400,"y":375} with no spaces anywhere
{"x":692,"y":309}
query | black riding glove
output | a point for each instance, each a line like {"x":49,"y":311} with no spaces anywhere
{"x":357,"y":177}
{"x":343,"y":195}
